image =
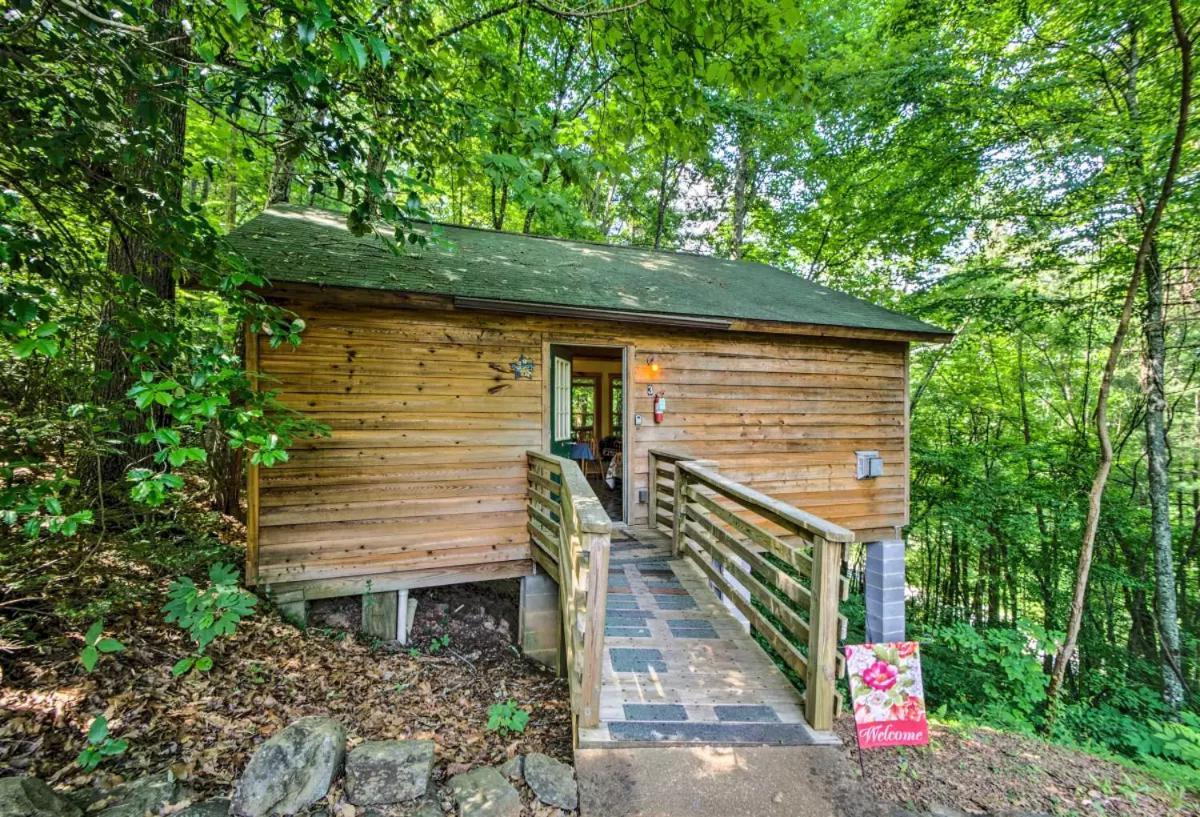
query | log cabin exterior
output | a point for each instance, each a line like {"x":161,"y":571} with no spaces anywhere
{"x":410,"y":359}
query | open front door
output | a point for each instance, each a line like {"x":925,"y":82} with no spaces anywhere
{"x":560,"y":403}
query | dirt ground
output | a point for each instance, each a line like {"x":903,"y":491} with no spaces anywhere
{"x":204,"y":726}
{"x":982,"y":770}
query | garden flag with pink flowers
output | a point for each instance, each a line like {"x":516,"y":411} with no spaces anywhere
{"x":889,"y":698}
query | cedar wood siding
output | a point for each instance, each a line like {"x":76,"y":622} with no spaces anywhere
{"x":425,"y":465}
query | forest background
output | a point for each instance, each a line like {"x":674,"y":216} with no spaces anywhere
{"x":1021,"y":172}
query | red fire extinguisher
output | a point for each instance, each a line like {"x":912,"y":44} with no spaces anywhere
{"x":660,"y":406}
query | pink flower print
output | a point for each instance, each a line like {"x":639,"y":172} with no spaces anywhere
{"x":881,"y":676}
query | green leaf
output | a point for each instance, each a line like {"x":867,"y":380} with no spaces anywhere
{"x":94,"y":631}
{"x":98,"y":731}
{"x":204,"y":663}
{"x":89,"y":657}
{"x":183,"y":665}
{"x":237,"y":9}
{"x":384,"y":55}
{"x":357,"y":49}
{"x":109,"y":645}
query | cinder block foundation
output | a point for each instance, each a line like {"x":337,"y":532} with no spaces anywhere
{"x":885,"y":590}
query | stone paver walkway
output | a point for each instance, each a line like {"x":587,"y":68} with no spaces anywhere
{"x":679,"y":669}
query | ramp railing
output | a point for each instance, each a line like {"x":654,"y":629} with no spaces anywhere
{"x":780,"y":566}
{"x":570,"y":534}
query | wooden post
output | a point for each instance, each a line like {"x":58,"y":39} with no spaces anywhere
{"x":652,"y":495}
{"x":823,"y":634}
{"x":252,"y":483}
{"x":677,"y":534}
{"x":379,"y":614}
{"x":596,"y":546}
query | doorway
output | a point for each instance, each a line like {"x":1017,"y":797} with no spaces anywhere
{"x":588,"y":416}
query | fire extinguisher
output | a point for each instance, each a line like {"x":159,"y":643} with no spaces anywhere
{"x":660,"y":406}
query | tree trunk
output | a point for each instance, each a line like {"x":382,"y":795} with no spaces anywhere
{"x":1149,"y":233}
{"x":1158,"y":461}
{"x":376,"y":167}
{"x":288,"y":148}
{"x":133,"y":250}
{"x":743,"y":185}
{"x":664,"y":199}
{"x":231,"y":188}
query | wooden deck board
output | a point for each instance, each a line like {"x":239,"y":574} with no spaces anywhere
{"x":679,"y":669}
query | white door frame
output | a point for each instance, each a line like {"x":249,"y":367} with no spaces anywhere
{"x":627,"y":430}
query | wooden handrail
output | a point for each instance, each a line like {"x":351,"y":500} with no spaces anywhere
{"x":570,"y":534}
{"x":731,"y":532}
{"x":776,"y":510}
{"x":659,"y":476}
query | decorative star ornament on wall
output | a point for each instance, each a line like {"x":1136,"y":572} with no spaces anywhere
{"x":522,"y":368}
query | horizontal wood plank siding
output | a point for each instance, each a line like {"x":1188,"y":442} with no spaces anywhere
{"x":425,"y":466}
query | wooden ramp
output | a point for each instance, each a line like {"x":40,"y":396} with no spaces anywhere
{"x":653,"y":657}
{"x":678,"y":668}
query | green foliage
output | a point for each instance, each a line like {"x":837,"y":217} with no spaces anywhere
{"x":507,"y":717}
{"x":438,"y":643}
{"x":207,"y":613}
{"x":95,"y":644}
{"x":100,"y":745}
{"x":994,"y":674}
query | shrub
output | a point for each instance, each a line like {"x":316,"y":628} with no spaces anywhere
{"x":100,"y":745}
{"x":507,"y":717}
{"x":206,"y":613}
{"x":94,"y":643}
{"x":994,"y":674}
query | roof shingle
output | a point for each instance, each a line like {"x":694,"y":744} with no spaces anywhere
{"x":309,"y":246}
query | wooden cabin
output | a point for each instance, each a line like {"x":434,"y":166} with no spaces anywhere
{"x":439,"y":367}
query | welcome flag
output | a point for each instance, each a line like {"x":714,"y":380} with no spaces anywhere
{"x":889,"y":697}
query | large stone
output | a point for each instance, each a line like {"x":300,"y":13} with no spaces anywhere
{"x":426,"y":808}
{"x":388,"y":771}
{"x":292,"y":770}
{"x":552,"y":781}
{"x":484,"y":792}
{"x":513,"y":768}
{"x":216,"y":807}
{"x":30,"y":797}
{"x":943,"y":810}
{"x":137,"y":798}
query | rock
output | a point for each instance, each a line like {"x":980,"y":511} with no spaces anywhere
{"x":292,"y":770}
{"x":552,"y":781}
{"x":146,"y":795}
{"x":216,"y":807}
{"x":30,"y":797}
{"x":513,"y":768}
{"x":942,"y":810}
{"x":388,"y":771}
{"x":484,"y":792}
{"x":426,"y":808}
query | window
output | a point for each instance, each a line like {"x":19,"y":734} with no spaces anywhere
{"x":583,"y":406}
{"x":614,"y":404}
{"x":562,"y":399}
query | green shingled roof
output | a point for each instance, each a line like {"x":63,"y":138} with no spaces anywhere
{"x":302,"y":245}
